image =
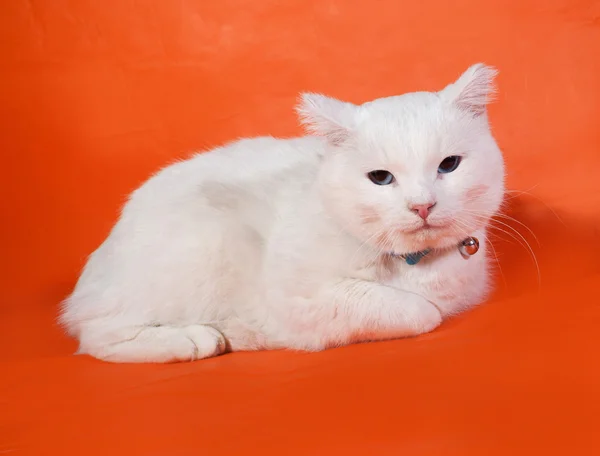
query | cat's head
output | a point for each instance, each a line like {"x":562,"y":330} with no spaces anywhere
{"x":410,"y":172}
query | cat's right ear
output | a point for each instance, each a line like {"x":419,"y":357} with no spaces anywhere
{"x":474,"y":90}
{"x":325,"y":116}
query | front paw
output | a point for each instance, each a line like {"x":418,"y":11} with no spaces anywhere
{"x":423,"y":316}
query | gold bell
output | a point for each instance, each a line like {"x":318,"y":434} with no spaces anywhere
{"x":468,"y":247}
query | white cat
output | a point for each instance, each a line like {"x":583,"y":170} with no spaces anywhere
{"x":300,"y":243}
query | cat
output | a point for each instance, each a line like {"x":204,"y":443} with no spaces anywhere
{"x":302,"y":243}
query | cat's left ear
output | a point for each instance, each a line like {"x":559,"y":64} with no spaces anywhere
{"x":325,"y":116}
{"x":474,"y":90}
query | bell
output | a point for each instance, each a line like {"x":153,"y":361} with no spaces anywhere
{"x":468,"y":247}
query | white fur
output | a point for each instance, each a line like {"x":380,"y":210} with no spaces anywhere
{"x":268,"y":243}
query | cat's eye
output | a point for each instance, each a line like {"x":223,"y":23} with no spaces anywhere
{"x":449,"y":164}
{"x":381,"y":177}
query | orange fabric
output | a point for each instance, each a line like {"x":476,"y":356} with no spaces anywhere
{"x":95,"y":95}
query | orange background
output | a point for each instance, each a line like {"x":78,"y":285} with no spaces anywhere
{"x":96,"y":95}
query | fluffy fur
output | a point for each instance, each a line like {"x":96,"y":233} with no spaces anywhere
{"x":270,"y":243}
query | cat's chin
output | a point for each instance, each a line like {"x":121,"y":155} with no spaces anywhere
{"x":426,"y":237}
{"x":427,"y":230}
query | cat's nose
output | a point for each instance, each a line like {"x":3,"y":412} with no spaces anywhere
{"x":422,"y":210}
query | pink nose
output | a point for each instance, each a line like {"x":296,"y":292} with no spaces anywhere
{"x":423,"y":210}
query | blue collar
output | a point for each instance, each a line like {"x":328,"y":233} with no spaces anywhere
{"x":467,"y":248}
{"x":413,"y":258}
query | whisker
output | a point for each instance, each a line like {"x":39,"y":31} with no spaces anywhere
{"x":492,"y":215}
{"x":523,"y":241}
{"x":508,"y":217}
{"x":497,"y":262}
{"x":364,"y":244}
{"x":491,"y":244}
{"x":526,"y":192}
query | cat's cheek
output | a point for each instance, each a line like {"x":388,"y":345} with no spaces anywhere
{"x":368,"y":215}
{"x":476,"y":192}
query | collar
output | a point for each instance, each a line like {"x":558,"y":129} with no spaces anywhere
{"x":467,"y":248}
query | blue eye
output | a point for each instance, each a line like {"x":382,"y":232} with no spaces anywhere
{"x":381,"y":177}
{"x":449,"y":164}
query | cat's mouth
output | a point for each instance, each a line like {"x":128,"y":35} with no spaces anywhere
{"x":428,"y":227}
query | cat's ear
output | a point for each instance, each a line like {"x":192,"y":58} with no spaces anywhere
{"x":474,"y":90}
{"x":325,"y":116}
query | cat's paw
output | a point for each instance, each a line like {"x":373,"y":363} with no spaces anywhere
{"x":424,"y":316}
{"x":207,"y":341}
{"x":154,"y":344}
